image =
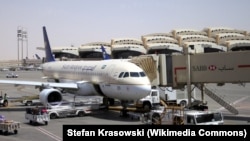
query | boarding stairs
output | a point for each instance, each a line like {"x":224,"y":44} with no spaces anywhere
{"x":219,"y":100}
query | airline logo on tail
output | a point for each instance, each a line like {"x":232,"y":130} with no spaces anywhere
{"x":49,"y":56}
{"x":105,"y":55}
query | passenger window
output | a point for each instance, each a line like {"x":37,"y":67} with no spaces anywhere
{"x":126,"y":75}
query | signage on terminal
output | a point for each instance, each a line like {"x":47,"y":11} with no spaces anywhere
{"x":199,"y":68}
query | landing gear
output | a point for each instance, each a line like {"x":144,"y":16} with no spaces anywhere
{"x":108,"y":101}
{"x":124,"y":111}
{"x":111,"y":101}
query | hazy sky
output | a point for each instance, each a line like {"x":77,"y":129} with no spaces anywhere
{"x":76,"y":22}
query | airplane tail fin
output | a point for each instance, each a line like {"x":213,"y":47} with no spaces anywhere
{"x":48,"y":53}
{"x":37,"y":56}
{"x":105,"y":54}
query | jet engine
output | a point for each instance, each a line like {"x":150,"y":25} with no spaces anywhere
{"x":50,"y":95}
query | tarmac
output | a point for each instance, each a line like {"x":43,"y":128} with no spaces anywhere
{"x":235,"y":94}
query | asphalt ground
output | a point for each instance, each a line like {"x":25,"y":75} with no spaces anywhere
{"x":237,"y":95}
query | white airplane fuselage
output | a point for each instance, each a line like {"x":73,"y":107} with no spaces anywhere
{"x":112,"y":78}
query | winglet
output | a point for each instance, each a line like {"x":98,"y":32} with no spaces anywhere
{"x":48,"y":53}
{"x":105,"y":54}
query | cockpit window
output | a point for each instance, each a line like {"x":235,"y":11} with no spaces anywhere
{"x":142,"y":74}
{"x":126,"y":74}
{"x":134,"y":74}
{"x":131,"y":74}
{"x":121,"y":74}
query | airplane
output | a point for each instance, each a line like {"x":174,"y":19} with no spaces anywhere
{"x":37,"y":56}
{"x":105,"y":54}
{"x":109,"y":78}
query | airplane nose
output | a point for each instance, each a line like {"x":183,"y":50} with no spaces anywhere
{"x":144,"y":91}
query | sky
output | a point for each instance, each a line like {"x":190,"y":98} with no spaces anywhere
{"x":77,"y":22}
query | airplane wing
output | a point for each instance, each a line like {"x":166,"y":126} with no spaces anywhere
{"x":42,"y":84}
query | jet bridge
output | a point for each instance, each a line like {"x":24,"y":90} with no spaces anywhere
{"x":178,"y":70}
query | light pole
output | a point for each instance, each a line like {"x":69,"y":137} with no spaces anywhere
{"x":19,"y":38}
{"x":22,"y":35}
{"x":25,"y":38}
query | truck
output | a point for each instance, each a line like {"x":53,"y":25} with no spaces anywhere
{"x":178,"y":115}
{"x":72,"y":109}
{"x":7,"y":126}
{"x":146,"y":103}
{"x":167,"y":94}
{"x":31,"y":102}
{"x":37,"y":115}
{"x":176,"y":96}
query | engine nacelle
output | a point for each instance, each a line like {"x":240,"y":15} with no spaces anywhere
{"x":50,"y":95}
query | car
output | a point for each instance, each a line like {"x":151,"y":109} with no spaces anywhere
{"x":11,"y":75}
{"x":59,"y":105}
{"x":31,"y":102}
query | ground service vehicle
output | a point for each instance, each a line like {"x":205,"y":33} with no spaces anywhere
{"x":30,"y":102}
{"x":167,"y":94}
{"x":176,"y":96}
{"x":3,"y":102}
{"x":177,"y":115}
{"x":146,"y":103}
{"x":71,"y":110}
{"x":7,"y":126}
{"x":37,"y":115}
{"x":11,"y":75}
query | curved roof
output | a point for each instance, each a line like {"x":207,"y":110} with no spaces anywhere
{"x":159,"y":39}
{"x":129,"y":47}
{"x":158,"y":35}
{"x":97,"y":44}
{"x":233,"y":44}
{"x":94,"y":48}
{"x":122,"y":41}
{"x":162,"y":46}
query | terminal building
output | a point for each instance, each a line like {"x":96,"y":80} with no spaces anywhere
{"x":210,"y":39}
{"x":93,"y":50}
{"x":161,"y":43}
{"x":123,"y":48}
{"x":64,"y":53}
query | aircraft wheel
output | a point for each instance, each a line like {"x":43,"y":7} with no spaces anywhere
{"x":111,"y":101}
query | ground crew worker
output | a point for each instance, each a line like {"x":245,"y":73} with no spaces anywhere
{"x":5,"y":97}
